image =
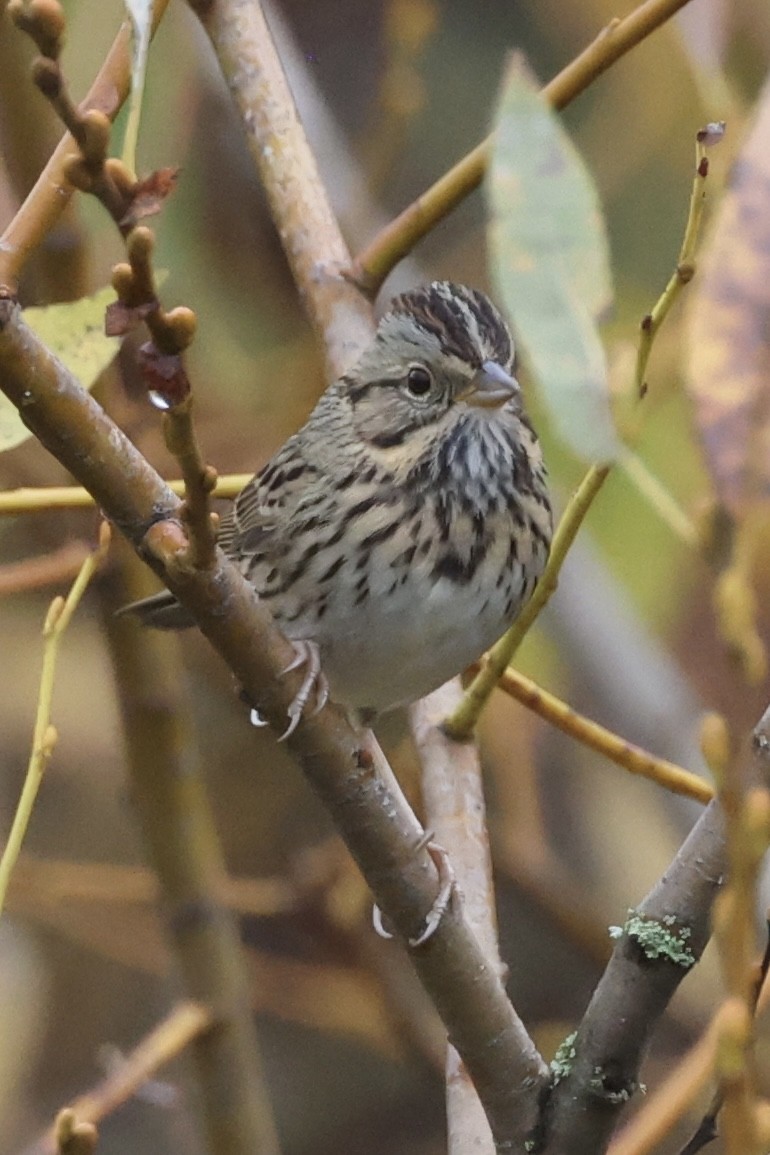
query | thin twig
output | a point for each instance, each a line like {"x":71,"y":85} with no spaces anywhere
{"x":46,"y":881}
{"x":685,"y":266}
{"x":44,"y":735}
{"x":185,"y":1023}
{"x":199,"y":481}
{"x":52,"y":191}
{"x":465,"y":717}
{"x":618,"y":750}
{"x":41,"y":499}
{"x":398,"y":238}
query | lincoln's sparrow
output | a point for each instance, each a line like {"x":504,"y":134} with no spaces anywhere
{"x":399,"y":532}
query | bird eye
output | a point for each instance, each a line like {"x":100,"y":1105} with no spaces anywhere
{"x":418,"y":381}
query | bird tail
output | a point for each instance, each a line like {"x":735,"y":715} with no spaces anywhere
{"x":161,"y":611}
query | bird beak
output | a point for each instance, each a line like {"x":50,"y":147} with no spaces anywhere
{"x":490,"y":387}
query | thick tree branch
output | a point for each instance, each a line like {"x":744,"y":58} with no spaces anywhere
{"x":356,"y":786}
{"x":455,"y":811}
{"x":317,"y":252}
{"x":299,"y":205}
{"x":661,"y":941}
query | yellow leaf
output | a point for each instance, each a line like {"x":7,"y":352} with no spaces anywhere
{"x":74,"y":332}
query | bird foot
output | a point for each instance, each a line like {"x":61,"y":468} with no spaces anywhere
{"x":306,"y":654}
{"x":447,"y":884}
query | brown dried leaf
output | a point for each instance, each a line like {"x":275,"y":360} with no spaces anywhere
{"x":149,"y":194}
{"x":728,"y":369}
{"x":120,"y":318}
{"x":164,"y":375}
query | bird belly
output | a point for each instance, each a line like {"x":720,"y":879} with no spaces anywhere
{"x":392,"y":650}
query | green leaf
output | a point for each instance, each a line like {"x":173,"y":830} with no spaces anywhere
{"x":74,"y":332}
{"x":550,"y":260}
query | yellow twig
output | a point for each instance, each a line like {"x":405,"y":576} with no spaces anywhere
{"x":44,"y":736}
{"x":43,"y":498}
{"x":399,"y":237}
{"x":462,"y":722}
{"x":186,"y":1022}
{"x":612,"y":746}
{"x":464,"y":719}
{"x":685,"y":266}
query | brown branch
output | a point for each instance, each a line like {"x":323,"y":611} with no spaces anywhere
{"x":34,"y":573}
{"x":357,"y":788}
{"x":52,"y":190}
{"x":453,"y":793}
{"x":199,"y":480}
{"x":398,"y":238}
{"x":298,"y":202}
{"x":180,"y":835}
{"x":28,"y":135}
{"x":660,"y":942}
{"x":46,"y":881}
{"x":486,"y":1030}
{"x":73,"y":1135}
{"x":187,"y":1022}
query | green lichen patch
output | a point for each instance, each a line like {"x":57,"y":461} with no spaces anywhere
{"x":561,"y":1063}
{"x":658,"y":938}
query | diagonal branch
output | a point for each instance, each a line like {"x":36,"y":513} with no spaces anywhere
{"x":356,"y":786}
{"x":317,"y":252}
{"x":185,"y":1023}
{"x":52,"y":191}
{"x":299,"y":205}
{"x":398,"y":238}
{"x":453,"y":794}
{"x":660,"y":942}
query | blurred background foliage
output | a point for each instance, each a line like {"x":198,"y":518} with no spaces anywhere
{"x":393,"y":91}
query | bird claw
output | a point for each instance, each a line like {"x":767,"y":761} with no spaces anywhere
{"x":447,"y":890}
{"x":306,"y":654}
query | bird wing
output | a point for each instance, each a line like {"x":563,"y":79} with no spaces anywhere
{"x":267,"y":504}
